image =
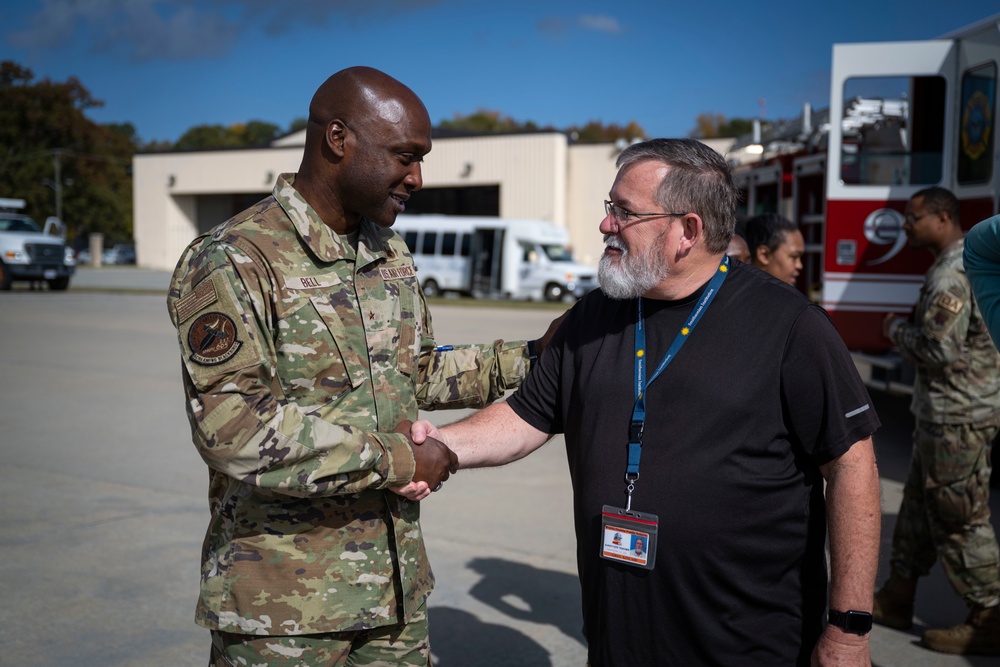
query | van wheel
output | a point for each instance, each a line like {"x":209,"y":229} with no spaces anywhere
{"x":554,"y":292}
{"x":431,"y":288}
{"x":59,"y":284}
{"x":5,"y":280}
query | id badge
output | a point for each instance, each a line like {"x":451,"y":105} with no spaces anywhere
{"x":628,"y":537}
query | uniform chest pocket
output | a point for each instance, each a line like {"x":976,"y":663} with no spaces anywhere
{"x":316,"y":364}
{"x":392,"y":325}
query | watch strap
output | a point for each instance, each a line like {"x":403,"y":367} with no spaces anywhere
{"x":855,"y":622}
{"x":532,"y":355}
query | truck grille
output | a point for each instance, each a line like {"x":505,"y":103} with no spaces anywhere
{"x":45,"y":253}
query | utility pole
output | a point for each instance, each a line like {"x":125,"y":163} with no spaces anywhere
{"x":57,"y":184}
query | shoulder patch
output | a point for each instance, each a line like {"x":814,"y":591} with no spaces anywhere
{"x":212,"y":339}
{"x":949,"y":302}
{"x":202,"y":296}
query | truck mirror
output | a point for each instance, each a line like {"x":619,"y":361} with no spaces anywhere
{"x":54,"y":226}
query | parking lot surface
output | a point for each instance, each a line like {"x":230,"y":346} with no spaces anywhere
{"x":105,"y":502}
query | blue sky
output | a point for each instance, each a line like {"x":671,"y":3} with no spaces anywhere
{"x":167,"y":65}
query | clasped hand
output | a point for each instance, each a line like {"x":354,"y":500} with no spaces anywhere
{"x":435,"y":462}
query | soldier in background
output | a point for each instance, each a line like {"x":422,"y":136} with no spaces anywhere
{"x":945,"y":512}
{"x":307,"y":350}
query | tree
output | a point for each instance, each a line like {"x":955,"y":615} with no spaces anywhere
{"x":238,"y":135}
{"x":709,"y":125}
{"x":485,"y":121}
{"x":596,"y":132}
{"x":54,"y":157}
{"x":203,"y":137}
{"x":256,"y":133}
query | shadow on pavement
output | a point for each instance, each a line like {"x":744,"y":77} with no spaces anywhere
{"x":459,"y":639}
{"x":527,"y":593}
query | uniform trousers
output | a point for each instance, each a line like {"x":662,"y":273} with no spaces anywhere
{"x":402,"y":645}
{"x":945,"y":512}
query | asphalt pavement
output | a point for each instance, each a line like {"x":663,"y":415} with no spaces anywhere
{"x":128,"y":278}
{"x":104,"y":504}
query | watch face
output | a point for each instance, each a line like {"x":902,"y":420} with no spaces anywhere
{"x":858,"y":622}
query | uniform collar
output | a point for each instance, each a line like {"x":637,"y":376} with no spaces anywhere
{"x":954,"y":248}
{"x":319,"y":238}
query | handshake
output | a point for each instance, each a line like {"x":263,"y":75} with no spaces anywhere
{"x":435,"y":462}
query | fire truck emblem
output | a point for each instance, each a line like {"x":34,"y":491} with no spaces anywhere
{"x":212,"y":339}
{"x":976,"y":124}
{"x":885,"y":227}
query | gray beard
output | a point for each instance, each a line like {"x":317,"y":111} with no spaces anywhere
{"x":629,"y":276}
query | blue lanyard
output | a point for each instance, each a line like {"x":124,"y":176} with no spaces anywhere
{"x":639,"y":410}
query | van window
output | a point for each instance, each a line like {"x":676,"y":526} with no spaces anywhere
{"x":558,"y":253}
{"x":410,"y":238}
{"x":466,"y":245}
{"x":448,"y":243}
{"x":975,"y":140}
{"x":430,"y":243}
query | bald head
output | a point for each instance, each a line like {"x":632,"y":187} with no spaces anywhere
{"x":361,"y":96}
{"x":366,"y":138}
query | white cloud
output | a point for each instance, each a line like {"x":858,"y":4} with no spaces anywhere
{"x":558,"y":27}
{"x":600,"y":23}
{"x":139,"y":29}
{"x":181,"y":29}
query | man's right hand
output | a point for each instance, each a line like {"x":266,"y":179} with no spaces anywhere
{"x":423,"y":429}
{"x":434,"y":461}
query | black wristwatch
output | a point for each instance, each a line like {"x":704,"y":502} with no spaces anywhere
{"x":855,"y":622}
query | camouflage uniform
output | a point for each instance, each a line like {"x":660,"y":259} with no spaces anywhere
{"x":945,"y":512}
{"x":300,"y":357}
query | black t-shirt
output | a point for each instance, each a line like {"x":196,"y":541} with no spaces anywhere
{"x":761,"y":394}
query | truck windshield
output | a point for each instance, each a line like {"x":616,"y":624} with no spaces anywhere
{"x":18,"y":225}
{"x":558,"y":253}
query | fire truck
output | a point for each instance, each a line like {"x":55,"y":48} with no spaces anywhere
{"x":903,"y":116}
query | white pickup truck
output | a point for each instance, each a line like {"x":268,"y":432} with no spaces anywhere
{"x":28,"y":253}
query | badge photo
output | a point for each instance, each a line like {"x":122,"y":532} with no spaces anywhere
{"x":628,"y":537}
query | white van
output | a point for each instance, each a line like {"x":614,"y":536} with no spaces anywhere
{"x":494,"y":257}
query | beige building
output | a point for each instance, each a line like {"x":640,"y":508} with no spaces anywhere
{"x":539,"y":176}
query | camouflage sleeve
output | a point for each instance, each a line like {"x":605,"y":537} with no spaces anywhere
{"x":466,"y":376}
{"x":242,"y":424}
{"x":936,"y":339}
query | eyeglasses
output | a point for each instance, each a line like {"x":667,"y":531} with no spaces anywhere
{"x":622,"y":215}
{"x":912,"y":219}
